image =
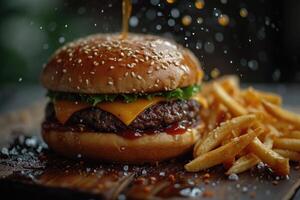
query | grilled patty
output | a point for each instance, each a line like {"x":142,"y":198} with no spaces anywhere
{"x":157,"y":116}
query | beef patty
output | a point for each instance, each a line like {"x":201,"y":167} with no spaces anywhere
{"x":157,"y":116}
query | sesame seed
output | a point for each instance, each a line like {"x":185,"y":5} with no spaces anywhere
{"x":139,"y":77}
{"x":122,"y":54}
{"x":92,"y":72}
{"x":64,"y":70}
{"x":95,"y":63}
{"x":110,"y":82}
{"x":112,"y":67}
{"x":70,"y":79}
{"x":52,"y":78}
{"x":58,"y":61}
{"x":79,"y":60}
{"x":155,"y":85}
{"x":133,"y":90}
{"x":126,"y":74}
{"x":149,"y":72}
{"x":102,"y":62}
{"x":87,"y":81}
{"x":90,"y":57}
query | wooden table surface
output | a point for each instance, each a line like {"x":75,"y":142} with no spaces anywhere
{"x":44,"y":174}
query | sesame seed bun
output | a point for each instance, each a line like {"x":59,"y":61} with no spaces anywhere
{"x":104,"y":63}
{"x":113,"y":148}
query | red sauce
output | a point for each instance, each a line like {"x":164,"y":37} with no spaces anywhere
{"x":173,"y":129}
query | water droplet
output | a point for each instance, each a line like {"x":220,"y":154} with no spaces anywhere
{"x":171,"y":22}
{"x":175,"y":13}
{"x":20,"y":79}
{"x":154,"y":2}
{"x":209,"y":47}
{"x":61,"y":39}
{"x":171,"y":1}
{"x":134,"y":21}
{"x":199,"y":4}
{"x":253,"y":64}
{"x":276,"y":75}
{"x":243,"y":12}
{"x":158,"y":27}
{"x":219,"y":37}
{"x":186,"y":20}
{"x":199,"y":20}
{"x":223,"y":20}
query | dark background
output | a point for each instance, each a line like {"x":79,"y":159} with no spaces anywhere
{"x":260,"y":43}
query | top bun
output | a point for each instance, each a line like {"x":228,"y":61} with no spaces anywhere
{"x":105,"y":63}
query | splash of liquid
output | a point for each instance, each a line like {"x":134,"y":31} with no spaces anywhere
{"x":126,"y":12}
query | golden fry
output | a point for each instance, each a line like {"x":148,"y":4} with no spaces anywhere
{"x":234,"y":107}
{"x":292,"y":155}
{"x":278,"y":163}
{"x":244,"y":163}
{"x":293,"y":134}
{"x":282,"y":114}
{"x":222,"y":153}
{"x":287,"y":143}
{"x":215,"y":137}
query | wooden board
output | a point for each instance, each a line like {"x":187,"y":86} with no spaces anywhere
{"x":29,"y":169}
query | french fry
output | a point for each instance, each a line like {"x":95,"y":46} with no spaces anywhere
{"x":230,"y":84}
{"x":222,"y":153}
{"x":255,"y":97}
{"x":269,"y":97}
{"x":243,"y":164}
{"x":268,"y":142}
{"x":293,"y":134}
{"x":292,"y":155}
{"x":215,"y":137}
{"x":234,"y":107}
{"x":278,"y":163}
{"x":282,"y":114}
{"x":287,"y":143}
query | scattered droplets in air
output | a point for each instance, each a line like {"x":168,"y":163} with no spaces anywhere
{"x":158,"y":27}
{"x":224,"y":1}
{"x":133,"y":21}
{"x":160,"y":14}
{"x":95,"y":24}
{"x":225,"y":51}
{"x":151,"y":14}
{"x":171,"y":1}
{"x":61,"y":40}
{"x":253,"y":64}
{"x":175,"y":13}
{"x":200,"y":20}
{"x":199,"y":45}
{"x":215,"y":73}
{"x":223,"y":20}
{"x":209,"y":47}
{"x":199,"y":4}
{"x":276,"y":75}
{"x":216,"y":12}
{"x":66,"y":25}
{"x":20,"y":79}
{"x":243,"y":62}
{"x":154,"y":2}
{"x":41,"y":28}
{"x":186,"y":20}
{"x":171,"y":22}
{"x":219,"y":37}
{"x":243,"y":12}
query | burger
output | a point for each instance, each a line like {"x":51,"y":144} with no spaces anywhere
{"x":132,"y":100}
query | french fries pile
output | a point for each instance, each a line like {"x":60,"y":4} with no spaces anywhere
{"x":244,"y":127}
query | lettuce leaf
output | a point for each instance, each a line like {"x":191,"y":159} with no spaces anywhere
{"x":179,"y":93}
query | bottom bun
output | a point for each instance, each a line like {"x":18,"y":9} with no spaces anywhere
{"x":113,"y":148}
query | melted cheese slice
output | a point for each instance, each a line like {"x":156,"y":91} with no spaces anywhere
{"x":126,"y":112}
